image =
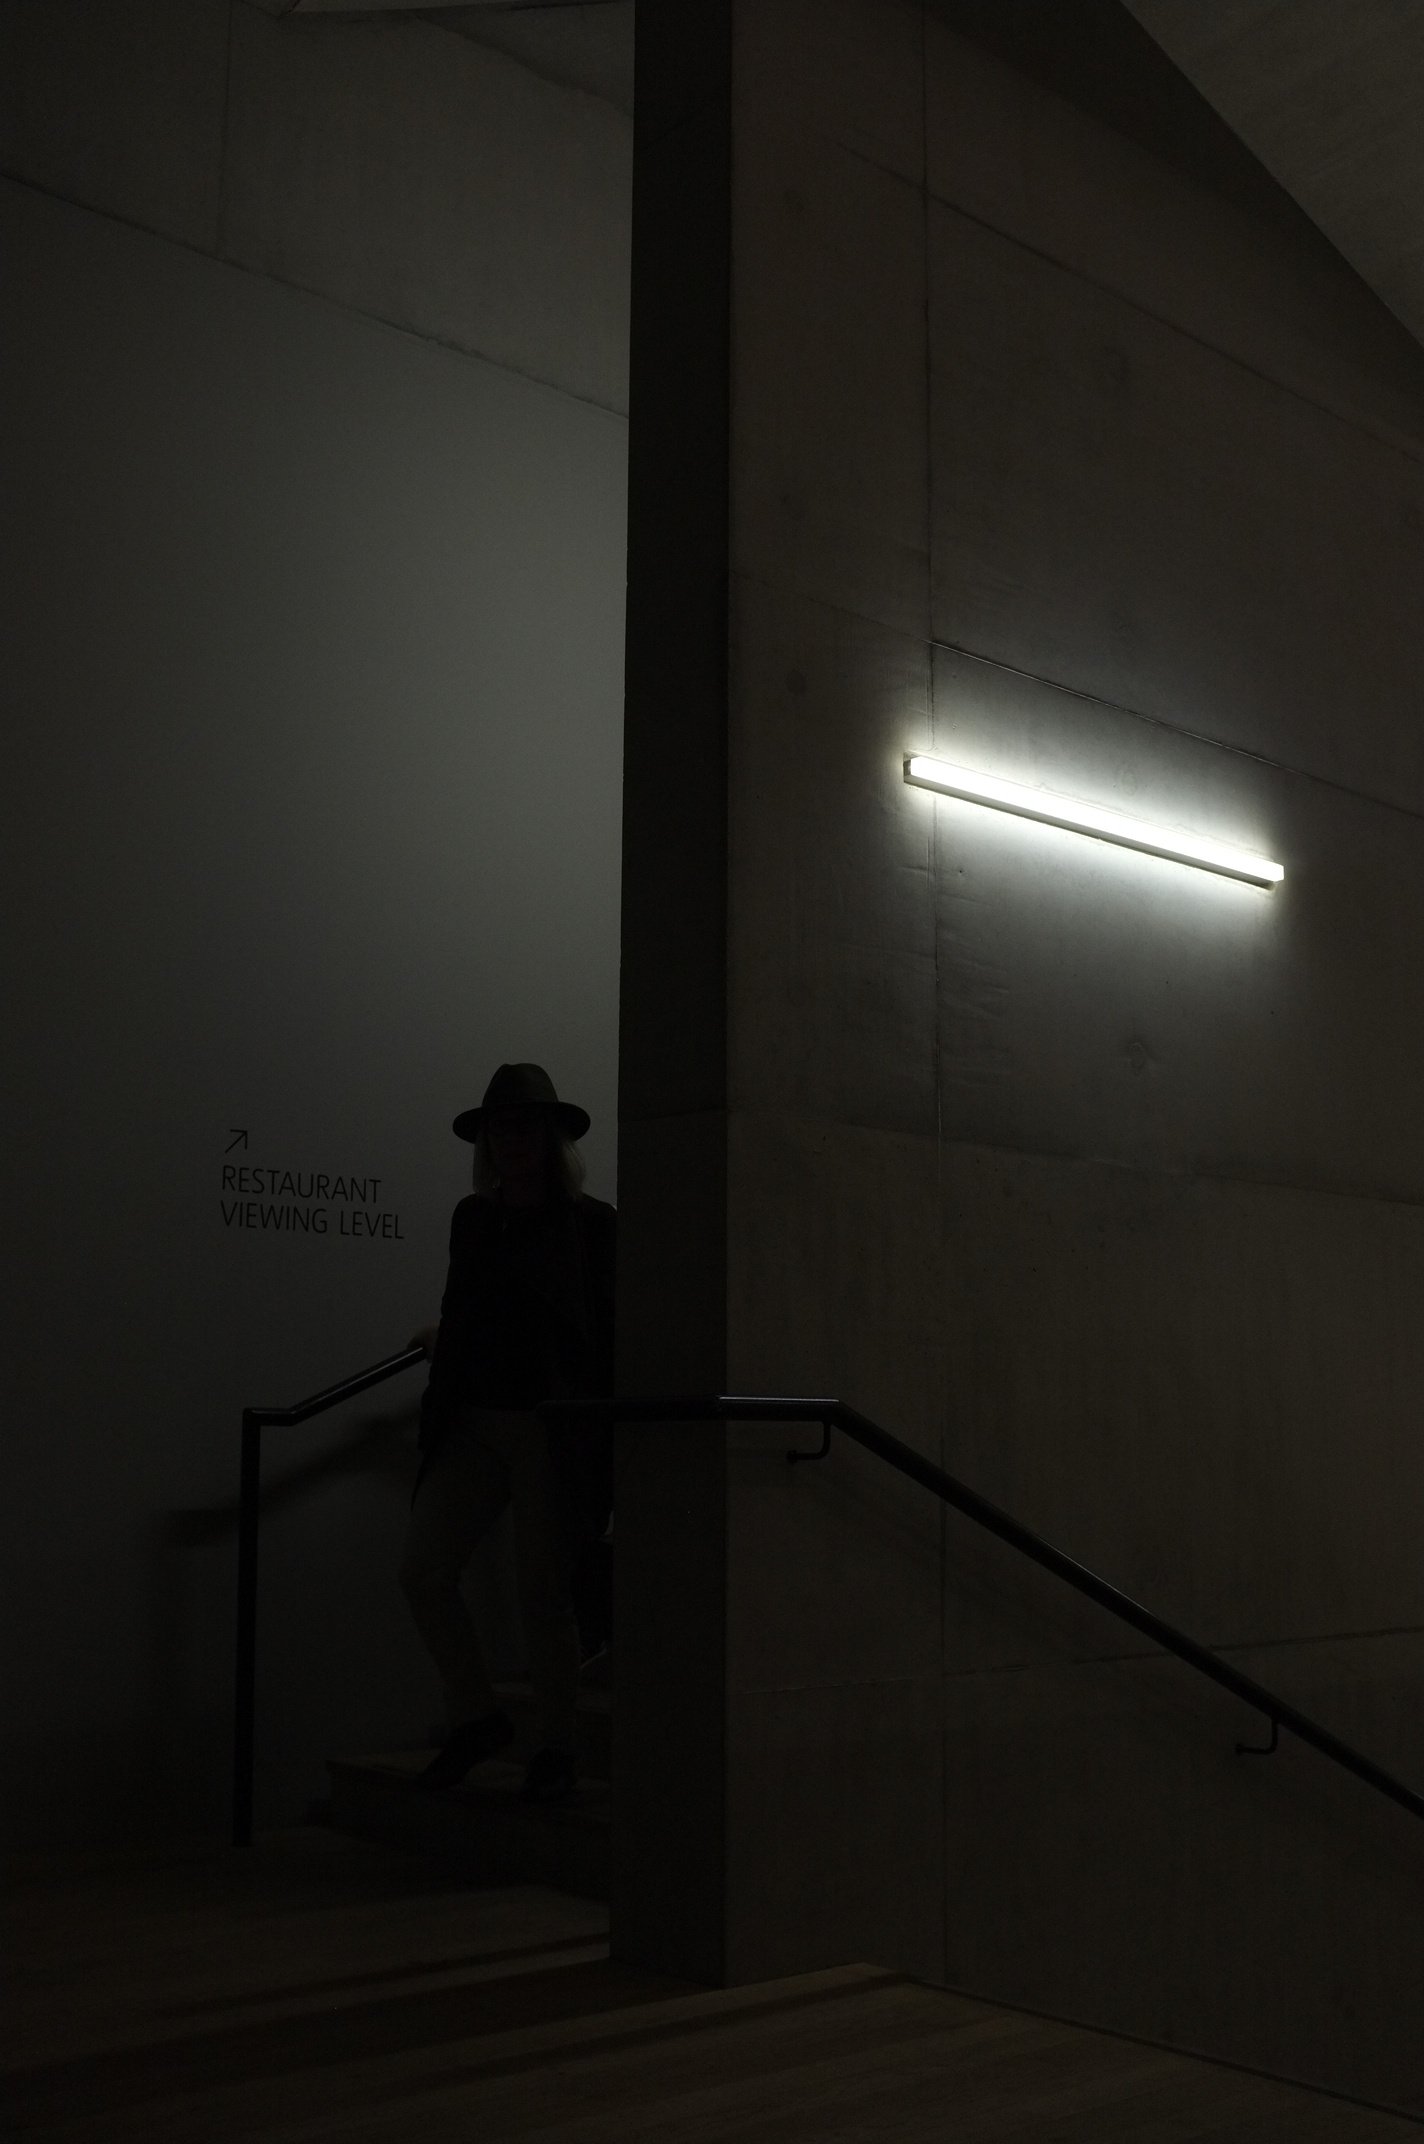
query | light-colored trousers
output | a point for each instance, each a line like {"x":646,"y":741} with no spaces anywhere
{"x":490,"y":1457}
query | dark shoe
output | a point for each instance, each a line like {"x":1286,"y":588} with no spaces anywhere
{"x":466,"y":1746}
{"x":550,"y":1777}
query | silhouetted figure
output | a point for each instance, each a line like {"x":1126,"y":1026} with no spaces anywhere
{"x":527,"y":1318}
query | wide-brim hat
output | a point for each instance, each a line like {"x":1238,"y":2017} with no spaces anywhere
{"x":522,"y":1087}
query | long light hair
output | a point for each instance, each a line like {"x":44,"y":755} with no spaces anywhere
{"x":563,"y":1165}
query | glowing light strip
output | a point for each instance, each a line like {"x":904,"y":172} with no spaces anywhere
{"x":1082,"y":818}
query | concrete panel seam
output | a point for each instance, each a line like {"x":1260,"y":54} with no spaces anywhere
{"x":1196,"y":2054}
{"x":1322,"y":1637}
{"x":12,"y":177}
{"x":937,"y":1045}
{"x":1131,"y":1654}
{"x":1178,"y":729}
{"x":928,"y":1681}
{"x":317,"y":297}
{"x":1357,"y":1194}
{"x":751,"y":577}
{"x":863,"y":156}
{"x":1400,"y":443}
{"x":221,"y":217}
{"x":437,"y":342}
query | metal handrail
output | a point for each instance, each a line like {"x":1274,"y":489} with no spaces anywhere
{"x":249,"y":1511}
{"x":831,"y":1414}
{"x":834,"y":1414}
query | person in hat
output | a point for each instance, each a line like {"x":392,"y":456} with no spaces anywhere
{"x":526,"y":1318}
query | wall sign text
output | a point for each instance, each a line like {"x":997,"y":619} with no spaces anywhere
{"x":306,"y":1202}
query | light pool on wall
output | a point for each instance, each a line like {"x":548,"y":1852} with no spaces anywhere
{"x":1096,"y":820}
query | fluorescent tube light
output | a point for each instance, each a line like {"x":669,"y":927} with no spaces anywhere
{"x":1083,"y":818}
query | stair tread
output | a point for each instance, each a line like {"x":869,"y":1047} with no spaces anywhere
{"x":494,"y":1789}
{"x":306,"y":1991}
{"x":592,"y":1697}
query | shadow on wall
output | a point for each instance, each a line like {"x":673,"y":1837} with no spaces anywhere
{"x":180,"y":1763}
{"x":380,"y":1445}
{"x":173,"y":1761}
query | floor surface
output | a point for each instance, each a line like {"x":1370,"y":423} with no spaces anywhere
{"x":319,"y":1988}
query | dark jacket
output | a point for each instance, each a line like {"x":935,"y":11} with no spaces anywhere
{"x":552,"y":1273}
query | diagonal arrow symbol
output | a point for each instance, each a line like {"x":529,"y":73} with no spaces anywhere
{"x":238,"y":1138}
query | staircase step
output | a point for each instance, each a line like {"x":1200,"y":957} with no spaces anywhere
{"x":481,"y":1831}
{"x":594,"y":1726}
{"x":313,"y":1989}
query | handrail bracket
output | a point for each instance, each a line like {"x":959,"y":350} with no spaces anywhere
{"x":1262,"y":1749}
{"x":821,"y":1451}
{"x":831,"y":1414}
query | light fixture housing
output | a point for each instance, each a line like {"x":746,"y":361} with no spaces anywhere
{"x":1082,"y":818}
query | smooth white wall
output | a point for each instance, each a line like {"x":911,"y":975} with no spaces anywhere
{"x":314,"y":669}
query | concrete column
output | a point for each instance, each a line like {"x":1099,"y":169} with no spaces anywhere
{"x":671,"y":1526}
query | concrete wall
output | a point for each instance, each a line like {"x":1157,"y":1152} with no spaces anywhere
{"x":401,"y":171}
{"x":670,"y":1570}
{"x":315,"y":630}
{"x":1096,"y":1179}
